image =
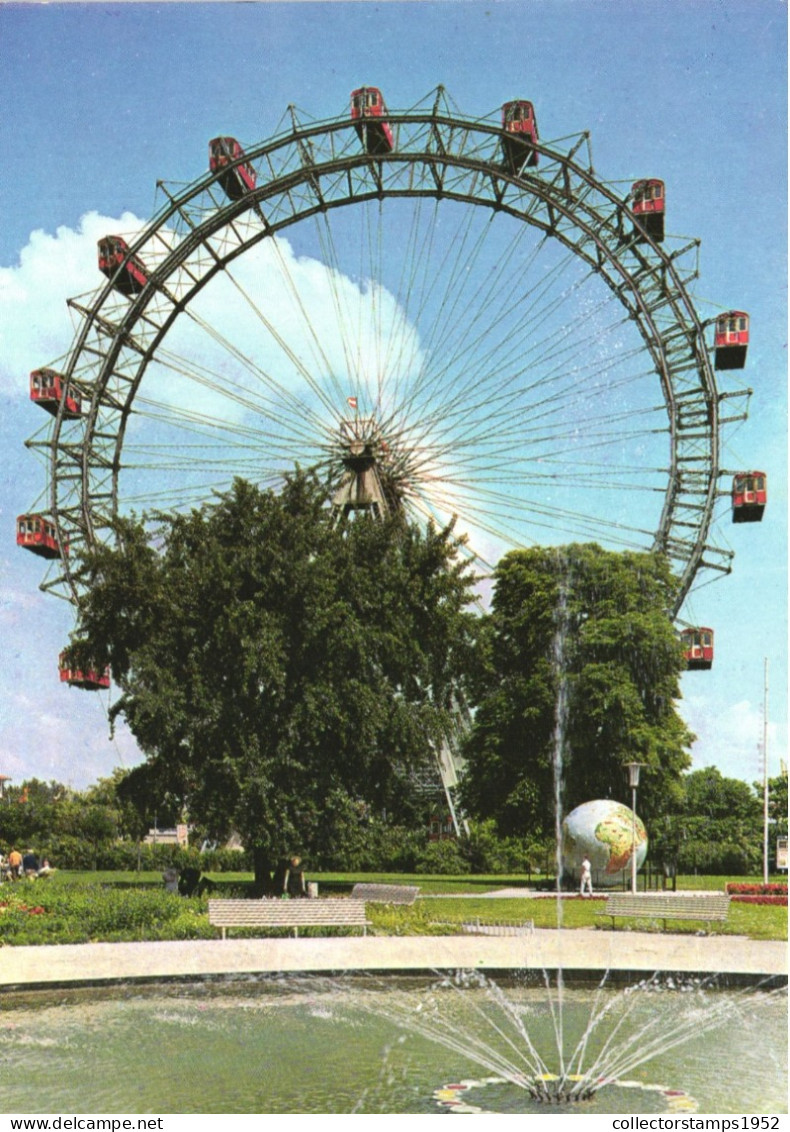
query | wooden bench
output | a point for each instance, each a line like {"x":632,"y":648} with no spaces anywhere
{"x":294,"y":914}
{"x":669,"y":906}
{"x":385,"y":893}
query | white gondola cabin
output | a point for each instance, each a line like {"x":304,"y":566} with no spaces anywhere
{"x":39,"y":535}
{"x":128,"y":272}
{"x":749,"y":496}
{"x":48,"y":389}
{"x":731,"y":340}
{"x":648,"y":206}
{"x":369,"y":115}
{"x":78,"y":672}
{"x":519,"y":129}
{"x":226,"y":158}
{"x":698,"y":647}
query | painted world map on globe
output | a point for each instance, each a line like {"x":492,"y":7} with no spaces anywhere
{"x":603,"y":831}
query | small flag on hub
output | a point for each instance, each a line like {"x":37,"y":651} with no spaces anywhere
{"x":352,"y":402}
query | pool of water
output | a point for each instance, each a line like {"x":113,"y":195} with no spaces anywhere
{"x":395,"y":1045}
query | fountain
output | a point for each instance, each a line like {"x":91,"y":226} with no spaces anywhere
{"x":615,"y":1032}
{"x":450,"y":1042}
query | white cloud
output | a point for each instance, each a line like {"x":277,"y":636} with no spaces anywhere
{"x":35,"y":325}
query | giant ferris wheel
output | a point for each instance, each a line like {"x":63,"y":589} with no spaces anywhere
{"x":438,"y":312}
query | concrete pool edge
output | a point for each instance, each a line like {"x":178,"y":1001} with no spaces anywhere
{"x":586,"y":950}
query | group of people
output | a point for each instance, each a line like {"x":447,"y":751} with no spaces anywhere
{"x":17,"y":866}
{"x":289,"y":880}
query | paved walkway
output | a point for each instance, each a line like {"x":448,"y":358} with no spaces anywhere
{"x":574,"y":950}
{"x":545,"y":894}
{"x":535,"y":894}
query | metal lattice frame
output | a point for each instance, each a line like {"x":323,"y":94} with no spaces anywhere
{"x":321,"y":166}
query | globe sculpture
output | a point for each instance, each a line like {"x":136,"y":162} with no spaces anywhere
{"x":602,"y":831}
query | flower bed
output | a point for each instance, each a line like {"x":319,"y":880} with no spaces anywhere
{"x":737,"y":888}
{"x":746,"y":898}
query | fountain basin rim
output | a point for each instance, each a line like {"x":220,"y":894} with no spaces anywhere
{"x":574,"y":951}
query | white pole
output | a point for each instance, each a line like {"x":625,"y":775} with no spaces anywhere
{"x":765,"y":777}
{"x":633,"y":840}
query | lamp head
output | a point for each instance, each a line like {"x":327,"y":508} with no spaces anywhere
{"x":633,"y":774}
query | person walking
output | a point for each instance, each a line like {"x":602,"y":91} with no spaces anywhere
{"x":14,"y":863}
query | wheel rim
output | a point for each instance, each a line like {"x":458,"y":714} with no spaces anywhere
{"x":503,"y":426}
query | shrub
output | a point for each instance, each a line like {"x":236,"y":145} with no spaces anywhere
{"x":89,"y":913}
{"x":127,"y":856}
{"x":443,"y":858}
{"x":489,"y":854}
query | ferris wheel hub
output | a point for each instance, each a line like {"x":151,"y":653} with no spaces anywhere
{"x":361,"y":443}
{"x":361,"y":449}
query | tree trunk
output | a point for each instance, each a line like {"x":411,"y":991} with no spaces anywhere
{"x":261,"y":863}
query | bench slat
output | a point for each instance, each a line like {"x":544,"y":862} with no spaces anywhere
{"x":287,"y":914}
{"x":385,"y":893}
{"x":649,"y":906}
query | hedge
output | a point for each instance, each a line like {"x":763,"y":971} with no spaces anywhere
{"x":127,"y":856}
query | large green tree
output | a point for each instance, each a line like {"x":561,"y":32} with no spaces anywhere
{"x":582,"y":665}
{"x":273,"y":662}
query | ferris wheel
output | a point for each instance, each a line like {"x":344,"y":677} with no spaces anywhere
{"x":438,"y":312}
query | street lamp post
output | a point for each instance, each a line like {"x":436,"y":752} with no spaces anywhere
{"x":633,"y":781}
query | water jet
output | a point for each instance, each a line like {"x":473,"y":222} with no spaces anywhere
{"x":388,"y":1044}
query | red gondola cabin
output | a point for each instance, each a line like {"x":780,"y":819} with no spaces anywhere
{"x":128,"y":272}
{"x":649,"y":203}
{"x":36,"y":533}
{"x":79,"y":674}
{"x":749,"y":496}
{"x":520,"y":127}
{"x":731,"y":340}
{"x":48,"y":389}
{"x":369,"y":115}
{"x":236,"y":179}
{"x":441,"y":828}
{"x":698,"y":647}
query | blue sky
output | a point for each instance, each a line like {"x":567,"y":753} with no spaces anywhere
{"x":107,"y":99}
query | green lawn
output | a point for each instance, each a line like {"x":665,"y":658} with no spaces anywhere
{"x":88,"y":906}
{"x":428,"y":884}
{"x":757,"y":921}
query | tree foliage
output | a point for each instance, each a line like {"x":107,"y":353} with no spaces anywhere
{"x":777,"y":803}
{"x":270,"y":658}
{"x":579,"y":640}
{"x":717,"y":826}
